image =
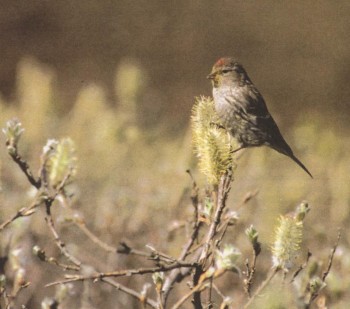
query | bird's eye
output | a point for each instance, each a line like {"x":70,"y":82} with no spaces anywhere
{"x":225,"y":71}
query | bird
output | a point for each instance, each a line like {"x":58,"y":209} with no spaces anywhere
{"x":242,"y":110}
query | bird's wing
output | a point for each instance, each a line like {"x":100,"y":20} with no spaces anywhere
{"x":252,"y":105}
{"x":255,"y":103}
{"x":255,"y":111}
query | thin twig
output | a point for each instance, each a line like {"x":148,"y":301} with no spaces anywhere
{"x":6,"y":297}
{"x":60,"y":244}
{"x":60,"y":188}
{"x":326,"y":272}
{"x":222,"y":194}
{"x":248,"y":196}
{"x":196,"y":222}
{"x":155,"y":255}
{"x":24,"y":167}
{"x":54,"y":261}
{"x":159,"y":295}
{"x":198,"y":288}
{"x":158,"y":255}
{"x":82,"y":226}
{"x":223,"y":229}
{"x":41,"y":254}
{"x":124,"y":248}
{"x":250,"y":274}
{"x":262,"y":286}
{"x":178,"y":274}
{"x":223,"y":190}
{"x":23,"y":212}
{"x":130,"y":292}
{"x":10,"y":298}
{"x":252,"y":268}
{"x":121,"y":273}
{"x":18,"y":289}
{"x":196,"y":301}
{"x":330,"y":261}
{"x":210,"y":302}
{"x":50,"y":223}
{"x":302,"y":266}
{"x":194,"y":235}
{"x":216,"y":289}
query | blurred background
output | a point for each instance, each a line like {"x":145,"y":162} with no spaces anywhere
{"x":120,"y":79}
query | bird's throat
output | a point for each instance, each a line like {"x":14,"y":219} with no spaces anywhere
{"x":215,"y":83}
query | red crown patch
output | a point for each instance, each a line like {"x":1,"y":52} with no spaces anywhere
{"x":220,"y":62}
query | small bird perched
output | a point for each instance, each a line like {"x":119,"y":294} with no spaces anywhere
{"x":242,"y":109}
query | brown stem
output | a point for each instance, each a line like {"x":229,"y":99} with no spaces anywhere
{"x":179,"y":274}
{"x":25,"y":168}
{"x":60,"y":244}
{"x":82,"y":226}
{"x":199,"y":288}
{"x":262,"y":286}
{"x":125,"y":272}
{"x":197,"y":303}
{"x":223,"y":190}
{"x":130,"y":292}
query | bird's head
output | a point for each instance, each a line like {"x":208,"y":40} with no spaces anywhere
{"x":227,"y":72}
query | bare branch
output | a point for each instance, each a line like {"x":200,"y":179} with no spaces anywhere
{"x":121,"y":273}
{"x":326,"y":272}
{"x":59,"y":243}
{"x":130,"y":292}
{"x":301,"y":267}
{"x":263,"y":285}
{"x":203,"y":283}
{"x":51,"y":260}
{"x":248,"y":196}
{"x":82,"y":226}
{"x":250,"y":275}
{"x":223,"y":190}
{"x":23,"y":165}
{"x":216,"y":289}
{"x":198,"y":288}
{"x":23,"y":212}
{"x":253,"y":236}
{"x":330,"y":261}
{"x":178,"y":274}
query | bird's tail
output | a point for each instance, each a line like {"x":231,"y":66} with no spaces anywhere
{"x":297,"y":161}
{"x":287,"y":151}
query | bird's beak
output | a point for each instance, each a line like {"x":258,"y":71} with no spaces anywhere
{"x":211,"y":76}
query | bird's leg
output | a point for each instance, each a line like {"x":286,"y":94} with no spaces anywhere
{"x":217,"y":125}
{"x":220,"y":126}
{"x":240,"y":148}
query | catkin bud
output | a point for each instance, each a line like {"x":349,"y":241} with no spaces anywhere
{"x":2,"y":281}
{"x":253,"y":235}
{"x":13,"y":132}
{"x":60,"y":160}
{"x":227,"y":257}
{"x":212,"y":144}
{"x":288,"y":236}
{"x":316,"y":285}
{"x":158,"y":280}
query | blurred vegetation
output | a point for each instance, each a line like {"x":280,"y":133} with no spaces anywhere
{"x":297,"y":53}
{"x":131,"y":183}
{"x":120,"y":83}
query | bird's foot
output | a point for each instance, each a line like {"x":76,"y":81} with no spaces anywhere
{"x":237,"y":149}
{"x":217,"y":125}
